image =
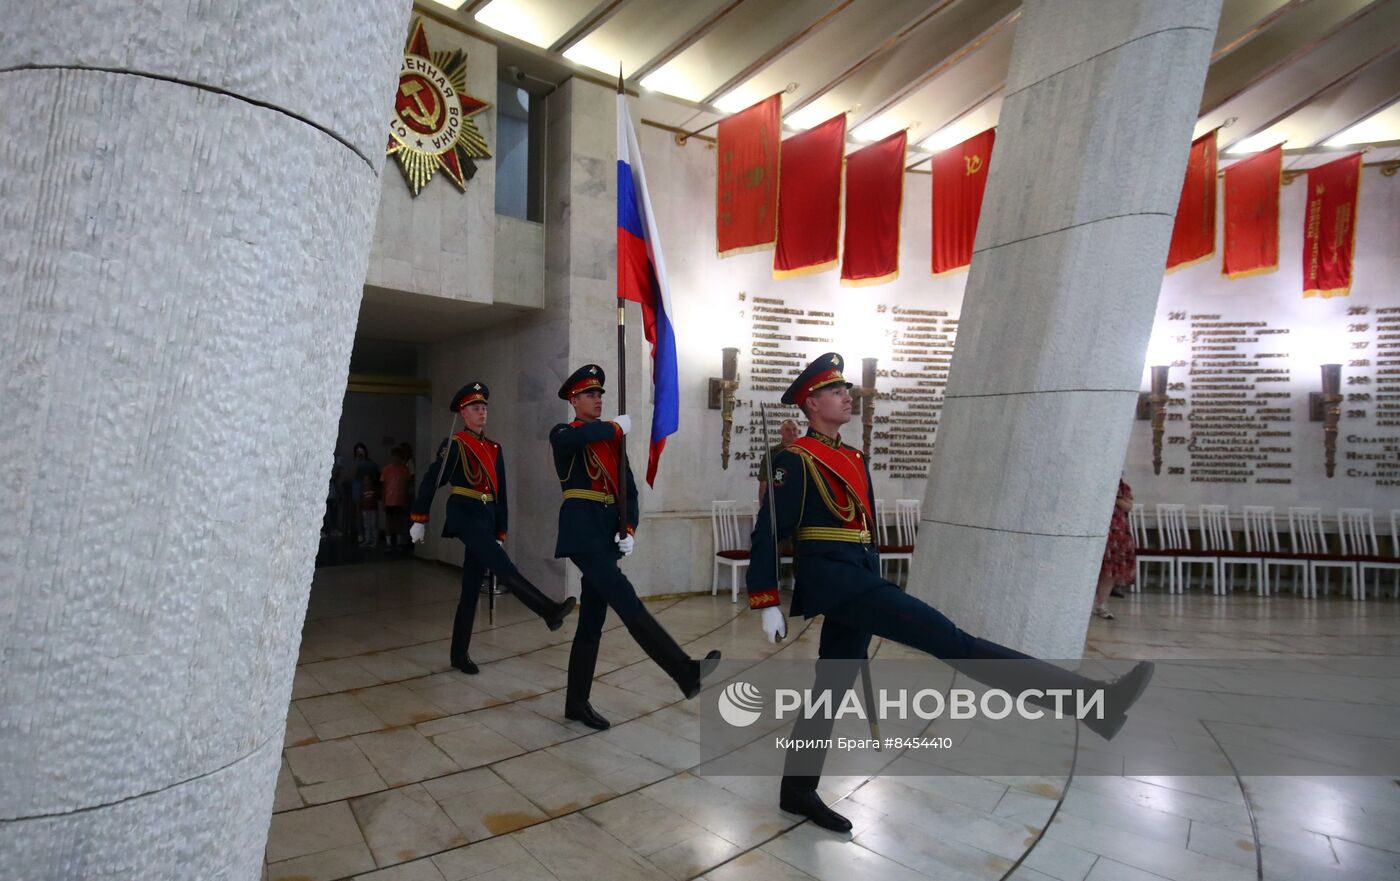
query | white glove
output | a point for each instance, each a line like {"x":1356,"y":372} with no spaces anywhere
{"x":418,"y":532}
{"x":500,"y":543}
{"x":624,"y":422}
{"x":773,"y":624}
{"x":625,"y":543}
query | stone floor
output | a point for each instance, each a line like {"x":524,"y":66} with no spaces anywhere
{"x":397,"y":768}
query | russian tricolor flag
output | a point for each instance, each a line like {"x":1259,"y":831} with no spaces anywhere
{"x":641,"y":278}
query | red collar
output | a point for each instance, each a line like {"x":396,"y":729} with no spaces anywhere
{"x":843,"y":463}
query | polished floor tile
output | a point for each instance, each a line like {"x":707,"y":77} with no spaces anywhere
{"x":398,"y":768}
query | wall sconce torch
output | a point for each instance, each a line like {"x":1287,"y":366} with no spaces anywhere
{"x":1326,"y":408}
{"x":1153,"y":406}
{"x":722,"y":398}
{"x":867,"y":401}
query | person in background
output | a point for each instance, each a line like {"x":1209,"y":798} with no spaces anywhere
{"x":409,"y":462}
{"x":1119,"y":568}
{"x":787,"y":433}
{"x":396,"y":482}
{"x":369,"y":511}
{"x":362,"y":466}
{"x":328,"y":522}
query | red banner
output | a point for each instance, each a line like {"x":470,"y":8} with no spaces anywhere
{"x":809,"y":200}
{"x":1251,"y":215}
{"x":874,"y":197}
{"x":1193,"y":236}
{"x":1329,"y":227}
{"x":746,"y":204}
{"x":959,"y":181}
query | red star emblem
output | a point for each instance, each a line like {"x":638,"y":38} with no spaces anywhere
{"x":432,"y":126}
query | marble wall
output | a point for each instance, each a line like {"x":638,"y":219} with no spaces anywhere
{"x":442,"y":242}
{"x":185,"y":226}
{"x":1196,"y":305}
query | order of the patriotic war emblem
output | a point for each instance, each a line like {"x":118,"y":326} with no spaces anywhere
{"x":432,"y":125}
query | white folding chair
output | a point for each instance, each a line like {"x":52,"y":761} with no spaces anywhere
{"x":888,"y":540}
{"x":906,"y":523}
{"x":1314,"y":546}
{"x":731,"y":544}
{"x":1357,"y":527}
{"x":1261,"y":541}
{"x":1137,"y":525}
{"x":1174,"y":536}
{"x":1214,"y":524}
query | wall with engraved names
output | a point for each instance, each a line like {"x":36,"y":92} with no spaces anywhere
{"x":1245,"y":355}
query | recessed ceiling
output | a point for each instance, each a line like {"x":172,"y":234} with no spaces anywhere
{"x":1301,"y":71}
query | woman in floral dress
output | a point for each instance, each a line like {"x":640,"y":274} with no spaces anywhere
{"x":1119,"y":555}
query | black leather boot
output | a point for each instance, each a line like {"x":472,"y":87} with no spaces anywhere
{"x":459,"y":653}
{"x":584,"y":712}
{"x":662,"y":648}
{"x":583,"y":657}
{"x":533,"y":598}
{"x":1119,"y":696}
{"x":798,"y":795}
{"x":1026,"y":672}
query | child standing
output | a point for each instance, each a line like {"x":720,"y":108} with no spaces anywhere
{"x":396,"y":481}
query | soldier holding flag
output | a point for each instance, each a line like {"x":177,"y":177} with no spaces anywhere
{"x":596,"y":524}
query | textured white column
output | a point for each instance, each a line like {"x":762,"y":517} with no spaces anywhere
{"x":186,"y":199}
{"x":1091,"y":149}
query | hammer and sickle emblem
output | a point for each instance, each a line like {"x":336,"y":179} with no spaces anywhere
{"x":421,"y":116}
{"x":973,"y":163}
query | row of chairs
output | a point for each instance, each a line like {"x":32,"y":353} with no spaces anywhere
{"x":1307,"y":554}
{"x":731,"y":524}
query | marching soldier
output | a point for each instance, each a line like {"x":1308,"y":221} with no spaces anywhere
{"x":822,"y":497}
{"x":476,"y":514}
{"x":587,"y":453}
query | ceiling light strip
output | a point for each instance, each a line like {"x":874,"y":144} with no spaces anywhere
{"x":775,"y":53}
{"x":687,"y":40}
{"x":889,"y":43}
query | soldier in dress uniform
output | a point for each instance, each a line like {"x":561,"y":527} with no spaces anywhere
{"x":822,"y":497}
{"x":476,"y":514}
{"x":587,"y":454}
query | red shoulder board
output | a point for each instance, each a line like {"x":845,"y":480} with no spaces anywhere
{"x":485,"y":452}
{"x":844,"y":465}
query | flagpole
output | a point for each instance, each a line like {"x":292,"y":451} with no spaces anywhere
{"x":621,"y":370}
